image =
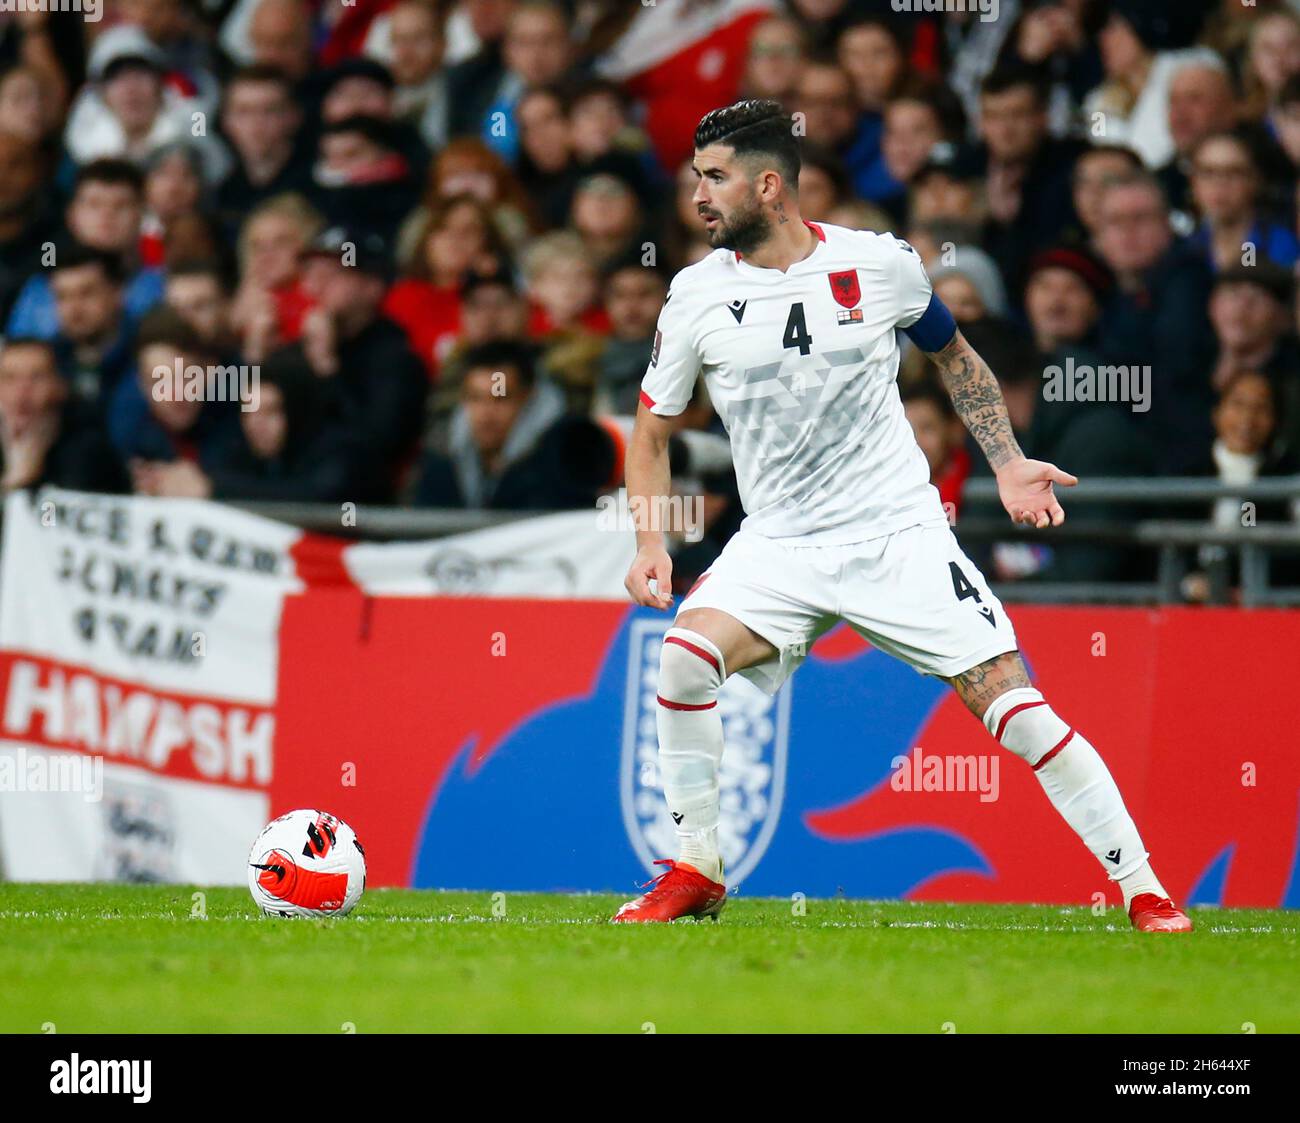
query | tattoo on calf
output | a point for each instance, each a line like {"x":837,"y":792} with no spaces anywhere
{"x":979,"y":686}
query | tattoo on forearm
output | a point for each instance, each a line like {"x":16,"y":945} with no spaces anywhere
{"x":977,"y":399}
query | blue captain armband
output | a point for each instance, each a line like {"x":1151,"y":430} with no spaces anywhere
{"x":935,"y":329}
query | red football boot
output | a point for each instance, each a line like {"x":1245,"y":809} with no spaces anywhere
{"x":681,"y":891}
{"x":1150,"y":913}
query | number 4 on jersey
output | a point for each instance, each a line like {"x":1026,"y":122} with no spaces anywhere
{"x":796,"y":331}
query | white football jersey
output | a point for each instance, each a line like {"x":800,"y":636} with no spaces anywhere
{"x":802,"y":367}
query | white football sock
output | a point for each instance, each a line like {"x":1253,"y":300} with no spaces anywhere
{"x":1077,"y":782}
{"x":691,"y":672}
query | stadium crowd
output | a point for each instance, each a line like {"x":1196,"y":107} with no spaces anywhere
{"x":442,"y":233}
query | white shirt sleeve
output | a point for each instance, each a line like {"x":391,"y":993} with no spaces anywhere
{"x":670,"y":378}
{"x":912,"y":288}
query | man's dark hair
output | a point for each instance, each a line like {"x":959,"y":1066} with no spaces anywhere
{"x":1012,"y":76}
{"x":498,"y":354}
{"x":929,"y":390}
{"x":115,"y":172}
{"x":261,"y":73}
{"x":203,"y":267}
{"x":631,"y":259}
{"x":164,"y":326}
{"x":755,"y":127}
{"x":1120,"y":150}
{"x":74,"y":255}
{"x":32,"y":341}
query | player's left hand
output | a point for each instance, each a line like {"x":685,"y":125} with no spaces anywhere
{"x":1025,"y":487}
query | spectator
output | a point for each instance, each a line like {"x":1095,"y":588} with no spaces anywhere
{"x":200,"y":291}
{"x":1225,"y":187}
{"x":971,"y":286}
{"x":271,"y":302}
{"x":948,"y":188}
{"x":915,"y":123}
{"x":375,"y":381}
{"x":535,"y":52}
{"x":1272,"y":59}
{"x":1244,"y":450}
{"x":260,"y":119}
{"x":1201,"y":102}
{"x":1249,"y":309}
{"x":828,"y":102}
{"x":458,"y":238}
{"x":492,"y":310}
{"x":173,"y":192}
{"x":129,"y":112}
{"x":942,"y":438}
{"x":362,"y":176}
{"x":28,"y":109}
{"x":777,"y":50}
{"x":607,"y":216}
{"x":94,"y":338}
{"x":46,"y":438}
{"x":413,"y":46}
{"x":155,"y":426}
{"x":273,"y":33}
{"x":105,"y":214}
{"x":1131,"y":106}
{"x":548,"y":168}
{"x":1027,"y":173}
{"x":286,"y":448}
{"x":1098,"y":439}
{"x":634,"y":295}
{"x":1155,"y":316}
{"x":823,"y":183}
{"x":469,"y":167}
{"x":1063,"y":301}
{"x":1094,"y":170}
{"x":512,"y":447}
{"x":872,"y":54}
{"x":563,"y":284}
{"x":26,"y":221}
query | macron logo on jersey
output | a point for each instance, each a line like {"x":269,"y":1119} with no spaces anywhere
{"x":737,"y":309}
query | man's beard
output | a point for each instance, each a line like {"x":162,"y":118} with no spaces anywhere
{"x":744,"y":231}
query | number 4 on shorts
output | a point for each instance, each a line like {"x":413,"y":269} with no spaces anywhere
{"x":961,"y":586}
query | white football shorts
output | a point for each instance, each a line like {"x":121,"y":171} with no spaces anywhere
{"x":913,"y":594}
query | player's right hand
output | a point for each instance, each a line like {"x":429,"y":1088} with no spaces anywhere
{"x":651,"y":563}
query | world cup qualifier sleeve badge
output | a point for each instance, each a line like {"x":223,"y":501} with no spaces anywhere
{"x":848,"y":294}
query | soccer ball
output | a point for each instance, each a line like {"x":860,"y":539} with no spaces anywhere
{"x":306,"y":863}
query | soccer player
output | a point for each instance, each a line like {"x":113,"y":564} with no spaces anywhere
{"x":792,"y":323}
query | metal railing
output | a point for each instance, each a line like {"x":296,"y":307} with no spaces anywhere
{"x":1170,"y":538}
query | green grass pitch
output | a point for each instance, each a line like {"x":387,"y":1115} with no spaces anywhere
{"x":105,"y":958}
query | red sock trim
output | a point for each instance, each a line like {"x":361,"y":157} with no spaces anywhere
{"x":683,"y":705}
{"x":1058,"y":747}
{"x":1012,"y":713}
{"x":695,"y":649}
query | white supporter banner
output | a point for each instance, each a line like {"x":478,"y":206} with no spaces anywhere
{"x":141,"y":635}
{"x":580,"y":555}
